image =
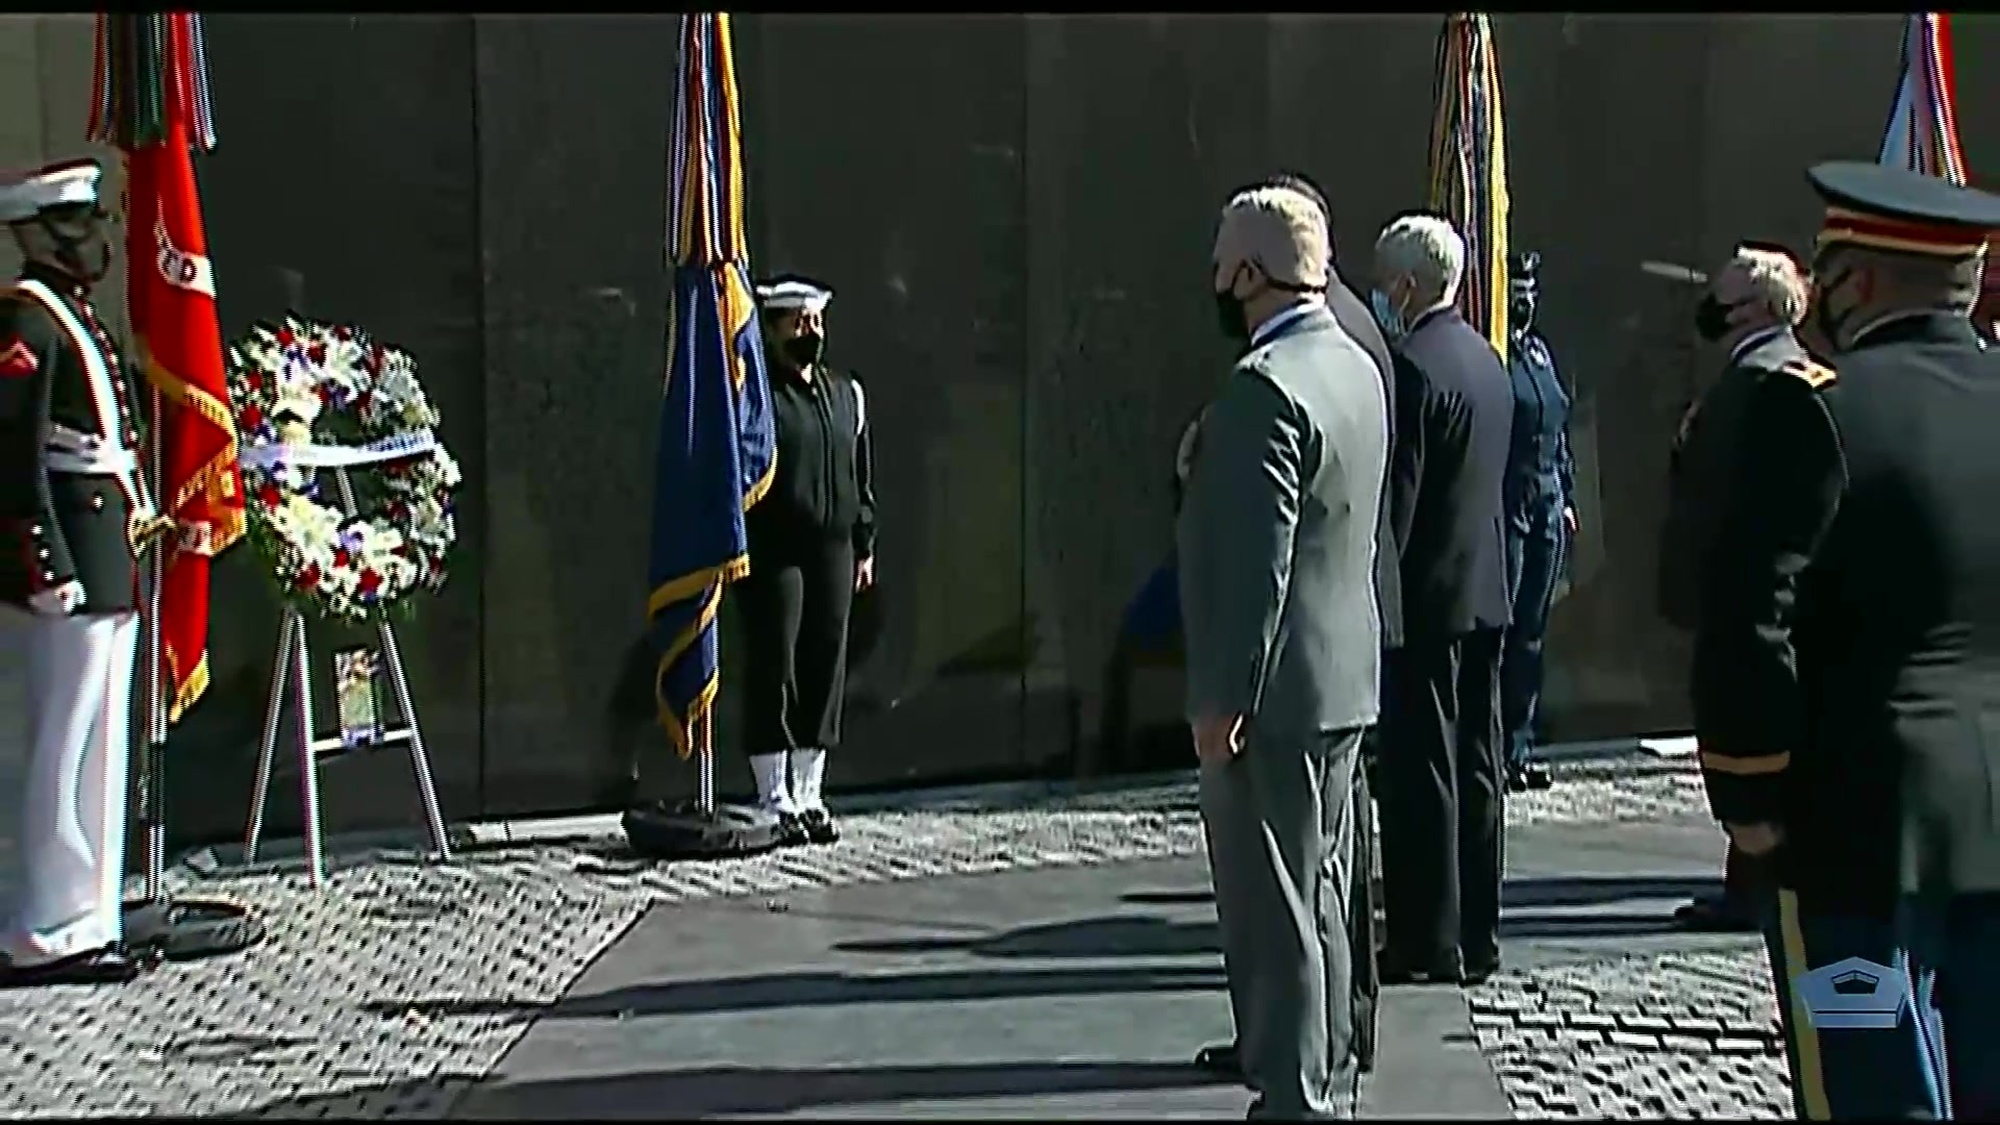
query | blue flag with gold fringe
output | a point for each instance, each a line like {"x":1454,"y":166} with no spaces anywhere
{"x":717,"y":451}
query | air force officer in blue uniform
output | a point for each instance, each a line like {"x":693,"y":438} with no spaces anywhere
{"x":1541,"y":516}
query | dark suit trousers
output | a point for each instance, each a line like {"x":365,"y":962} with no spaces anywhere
{"x":1441,"y":798}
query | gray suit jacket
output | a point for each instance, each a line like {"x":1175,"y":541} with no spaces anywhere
{"x":1277,"y":537}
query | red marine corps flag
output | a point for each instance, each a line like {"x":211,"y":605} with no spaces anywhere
{"x":152,"y":103}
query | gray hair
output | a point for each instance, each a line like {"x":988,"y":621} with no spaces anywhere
{"x":1425,"y":249}
{"x":1777,"y":281}
{"x":1281,"y":230}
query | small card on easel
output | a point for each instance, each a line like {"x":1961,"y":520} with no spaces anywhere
{"x":354,"y":674}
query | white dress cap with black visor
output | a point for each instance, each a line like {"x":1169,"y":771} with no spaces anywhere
{"x":72,"y":183}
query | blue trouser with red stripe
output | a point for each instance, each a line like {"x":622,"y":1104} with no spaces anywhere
{"x":1940,"y":1059}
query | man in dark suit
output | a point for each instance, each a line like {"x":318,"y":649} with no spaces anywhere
{"x":1847,"y":661}
{"x":1276,"y":539}
{"x":1441,"y":772}
{"x":1351,"y":312}
{"x":1748,"y":316}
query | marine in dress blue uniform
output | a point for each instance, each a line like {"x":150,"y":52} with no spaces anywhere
{"x":74,"y":515}
{"x":1847,"y":661}
{"x":1537,"y":493}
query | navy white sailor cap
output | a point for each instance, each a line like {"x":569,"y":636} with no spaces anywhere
{"x":793,"y":292}
{"x":66,"y":184}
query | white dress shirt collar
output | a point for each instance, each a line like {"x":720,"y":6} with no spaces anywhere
{"x":1280,"y":321}
{"x":1744,"y":345}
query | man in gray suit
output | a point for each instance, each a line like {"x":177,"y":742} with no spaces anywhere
{"x":1277,"y":550}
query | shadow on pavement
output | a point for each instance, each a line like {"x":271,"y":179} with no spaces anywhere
{"x":1114,"y":936}
{"x":799,"y":990}
{"x":1567,"y":890}
{"x":722,"y":1091}
{"x":1587,"y":925}
{"x":1169,"y":898}
{"x":1525,"y":901}
{"x":1591,"y":890}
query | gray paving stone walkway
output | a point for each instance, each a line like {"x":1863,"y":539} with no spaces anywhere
{"x":400,"y":987}
{"x":1050,"y":995}
{"x":1605,"y":1010}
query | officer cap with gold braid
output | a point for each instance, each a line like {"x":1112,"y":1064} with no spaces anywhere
{"x":1882,"y":207}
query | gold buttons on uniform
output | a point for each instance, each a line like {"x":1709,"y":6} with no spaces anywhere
{"x":97,"y":501}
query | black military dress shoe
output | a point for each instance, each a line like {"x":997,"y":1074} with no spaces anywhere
{"x":1717,"y":915}
{"x":791,"y":830}
{"x":819,"y":827}
{"x":1532,"y":775}
{"x":1396,"y":970}
{"x":1223,"y":1060}
{"x":109,"y":965}
{"x":1479,"y":972}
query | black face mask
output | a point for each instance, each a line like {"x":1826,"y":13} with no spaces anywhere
{"x":1825,"y":319}
{"x":1230,"y":318}
{"x":1521,"y":314}
{"x":804,"y":351}
{"x":1711,"y":318}
{"x":82,"y":248}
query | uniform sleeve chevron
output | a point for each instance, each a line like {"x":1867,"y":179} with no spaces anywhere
{"x":18,"y":361}
{"x":1815,"y":375}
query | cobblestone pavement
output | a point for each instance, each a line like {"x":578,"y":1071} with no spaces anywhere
{"x":1681,"y":1036}
{"x":326,"y":1018}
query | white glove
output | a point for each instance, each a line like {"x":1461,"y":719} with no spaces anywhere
{"x":60,"y":601}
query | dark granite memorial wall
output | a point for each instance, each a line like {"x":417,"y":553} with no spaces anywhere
{"x":1015,"y":212}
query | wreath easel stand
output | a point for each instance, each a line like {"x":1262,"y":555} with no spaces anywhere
{"x":291,"y":678}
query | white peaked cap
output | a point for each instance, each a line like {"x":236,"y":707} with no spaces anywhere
{"x":794,"y":293}
{"x":67,"y":184}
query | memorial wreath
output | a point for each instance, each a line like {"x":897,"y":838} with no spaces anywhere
{"x":319,"y":409}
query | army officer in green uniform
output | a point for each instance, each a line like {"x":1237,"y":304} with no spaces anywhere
{"x":1846,"y":676}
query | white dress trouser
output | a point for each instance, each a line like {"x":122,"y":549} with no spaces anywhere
{"x":72,"y":846}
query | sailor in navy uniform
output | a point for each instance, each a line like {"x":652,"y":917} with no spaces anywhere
{"x":1846,"y":677}
{"x":812,"y":548}
{"x":74,"y":516}
{"x":1540,"y":516}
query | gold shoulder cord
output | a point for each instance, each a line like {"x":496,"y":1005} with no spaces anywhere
{"x":1815,"y":375}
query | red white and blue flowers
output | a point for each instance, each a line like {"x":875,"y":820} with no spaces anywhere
{"x":321,"y":407}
